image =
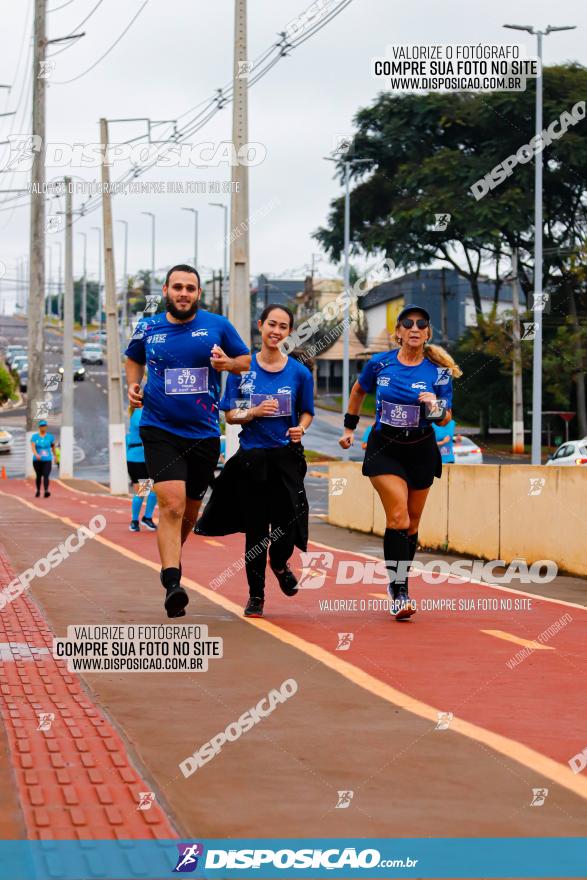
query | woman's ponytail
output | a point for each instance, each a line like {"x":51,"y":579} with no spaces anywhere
{"x":439,"y":356}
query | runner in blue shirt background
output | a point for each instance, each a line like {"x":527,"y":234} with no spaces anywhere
{"x":137,"y":470}
{"x":413,"y":389}
{"x":43,"y":447}
{"x":185,"y":350}
{"x":261,"y":489}
{"x":445,"y":438}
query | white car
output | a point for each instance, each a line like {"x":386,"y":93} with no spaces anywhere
{"x":92,"y":354}
{"x":465,"y":451}
{"x":6,"y":441}
{"x":571,"y":453}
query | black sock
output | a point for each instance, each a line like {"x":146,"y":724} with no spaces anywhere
{"x":170,"y":576}
{"x":396,"y":549}
{"x":413,"y":545}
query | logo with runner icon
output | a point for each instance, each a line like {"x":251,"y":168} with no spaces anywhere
{"x":187,"y":860}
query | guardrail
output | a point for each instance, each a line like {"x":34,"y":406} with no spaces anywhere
{"x":490,"y":511}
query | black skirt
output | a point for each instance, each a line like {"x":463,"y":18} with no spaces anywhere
{"x":412,"y":455}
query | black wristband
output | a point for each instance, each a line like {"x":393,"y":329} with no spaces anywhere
{"x":351,"y":421}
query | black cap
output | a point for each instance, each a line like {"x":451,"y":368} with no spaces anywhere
{"x":412,"y":308}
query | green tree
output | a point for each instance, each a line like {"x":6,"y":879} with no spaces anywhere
{"x":423,"y":154}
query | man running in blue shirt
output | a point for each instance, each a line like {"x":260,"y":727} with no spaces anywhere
{"x":185,"y":349}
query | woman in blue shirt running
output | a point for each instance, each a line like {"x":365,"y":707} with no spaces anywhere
{"x":413,"y":390}
{"x":137,"y":470}
{"x":43,"y":447}
{"x":261,"y":489}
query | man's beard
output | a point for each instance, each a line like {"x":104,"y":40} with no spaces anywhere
{"x":181,"y":315}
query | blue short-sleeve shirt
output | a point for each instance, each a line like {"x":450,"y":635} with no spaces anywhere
{"x":174,"y":354}
{"x":395,"y":382}
{"x":43,"y":445}
{"x":293,"y":386}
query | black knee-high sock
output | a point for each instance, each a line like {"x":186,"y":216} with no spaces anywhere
{"x":396,"y":549}
{"x":413,"y":543}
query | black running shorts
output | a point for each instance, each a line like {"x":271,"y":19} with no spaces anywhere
{"x":172,"y":457}
{"x":413,"y":456}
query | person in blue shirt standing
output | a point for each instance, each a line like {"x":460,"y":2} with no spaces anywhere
{"x":137,"y":470}
{"x":185,"y":349}
{"x":261,"y":489}
{"x":43,"y":447}
{"x":413,"y":389}
{"x":445,"y":438}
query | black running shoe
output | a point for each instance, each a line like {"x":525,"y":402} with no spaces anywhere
{"x":134,"y":526}
{"x":37,"y":494}
{"x":176,"y":600}
{"x":146,"y":520}
{"x":287,"y":580}
{"x":254,"y":607}
{"x":47,"y":494}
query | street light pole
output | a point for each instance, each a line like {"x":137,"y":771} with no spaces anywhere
{"x":538,"y":234}
{"x":99,"y":230}
{"x":152,"y":278}
{"x":195,"y":213}
{"x":225,"y":258}
{"x":346,"y":310}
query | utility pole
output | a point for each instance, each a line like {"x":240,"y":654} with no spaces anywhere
{"x":239,"y":304}
{"x":517,"y":392}
{"x":36,"y":323}
{"x":66,"y":439}
{"x":116,"y":431}
{"x":225,"y":297}
{"x":48,"y":304}
{"x":99,"y":231}
{"x":124,"y":315}
{"x":85,"y":288}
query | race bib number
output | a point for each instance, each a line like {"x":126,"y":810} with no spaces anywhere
{"x":186,"y":380}
{"x":400,"y":415}
{"x":283,"y":402}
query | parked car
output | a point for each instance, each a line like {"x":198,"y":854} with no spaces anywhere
{"x":13,"y":351}
{"x":92,"y":353}
{"x":23,"y":378}
{"x":79,"y":372}
{"x":571,"y":453}
{"x":20,"y":361}
{"x":6,"y":441}
{"x":465,"y":451}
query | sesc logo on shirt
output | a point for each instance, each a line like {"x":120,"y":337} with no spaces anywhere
{"x":157,"y":337}
{"x":199,"y":332}
{"x":420,"y":385}
{"x":285,"y":390}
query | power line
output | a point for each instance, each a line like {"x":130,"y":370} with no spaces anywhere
{"x":64,"y":49}
{"x":108,"y":51}
{"x":215,"y":103}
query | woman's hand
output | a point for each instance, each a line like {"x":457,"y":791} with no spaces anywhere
{"x":266,"y":408}
{"x":135,"y":395}
{"x":347,"y":438}
{"x":295,"y":434}
{"x":427,"y":397}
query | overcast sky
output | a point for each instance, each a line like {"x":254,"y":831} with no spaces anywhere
{"x":178,"y":52}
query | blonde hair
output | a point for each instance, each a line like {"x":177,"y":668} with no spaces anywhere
{"x":437,"y":355}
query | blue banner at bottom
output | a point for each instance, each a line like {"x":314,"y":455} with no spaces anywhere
{"x":531,"y":857}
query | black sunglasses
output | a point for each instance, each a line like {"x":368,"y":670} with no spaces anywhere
{"x":421,"y":323}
